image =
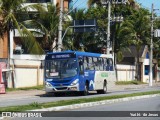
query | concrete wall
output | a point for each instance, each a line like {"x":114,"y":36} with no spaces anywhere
{"x":125,"y":72}
{"x":26,"y":71}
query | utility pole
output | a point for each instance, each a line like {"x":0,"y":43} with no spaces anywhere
{"x":151,"y":48}
{"x":116,"y":19}
{"x":60,"y":27}
{"x":108,"y":27}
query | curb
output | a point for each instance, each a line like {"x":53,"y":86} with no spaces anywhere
{"x":90,"y":104}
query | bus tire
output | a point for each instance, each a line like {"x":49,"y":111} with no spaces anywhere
{"x":85,"y":92}
{"x":48,"y":94}
{"x":104,"y":90}
{"x":56,"y":94}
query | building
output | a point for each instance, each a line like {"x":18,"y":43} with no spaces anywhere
{"x":24,"y":70}
{"x":127,"y":67}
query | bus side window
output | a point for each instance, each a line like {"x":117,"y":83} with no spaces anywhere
{"x":101,"y":64}
{"x":109,"y":66}
{"x":95,"y":62}
{"x":80,"y":61}
{"x":105,"y":65}
{"x":86,"y":63}
{"x":90,"y":63}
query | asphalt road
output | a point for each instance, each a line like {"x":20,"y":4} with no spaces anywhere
{"x":23,"y":99}
{"x":138,"y":107}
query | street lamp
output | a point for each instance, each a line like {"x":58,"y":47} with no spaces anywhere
{"x":60,"y":27}
{"x":109,"y":3}
{"x":151,"y":46}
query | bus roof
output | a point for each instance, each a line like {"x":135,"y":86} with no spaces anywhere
{"x":80,"y":53}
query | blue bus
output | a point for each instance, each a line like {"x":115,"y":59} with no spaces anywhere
{"x":75,"y":71}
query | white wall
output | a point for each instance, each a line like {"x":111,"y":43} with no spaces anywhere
{"x":125,"y":72}
{"x":26,"y":71}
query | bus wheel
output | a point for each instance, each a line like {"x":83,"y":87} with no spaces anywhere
{"x":104,"y":91}
{"x":48,"y":94}
{"x":105,"y":87}
{"x":85,"y":92}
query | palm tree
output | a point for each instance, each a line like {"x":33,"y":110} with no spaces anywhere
{"x":9,"y":10}
{"x":47,"y":23}
{"x":136,"y":31}
{"x":92,"y":2}
{"x":73,"y":40}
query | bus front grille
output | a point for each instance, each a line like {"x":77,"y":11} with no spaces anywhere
{"x":62,"y":88}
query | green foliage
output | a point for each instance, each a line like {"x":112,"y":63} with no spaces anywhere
{"x":47,"y":22}
{"x":35,"y":105}
{"x":9,"y":12}
{"x":90,"y":40}
{"x":92,"y":2}
{"x":133,"y":82}
{"x":136,"y":31}
{"x":40,"y":87}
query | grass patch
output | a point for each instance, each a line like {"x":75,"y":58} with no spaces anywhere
{"x":39,"y":87}
{"x":36,"y":105}
{"x":133,"y":82}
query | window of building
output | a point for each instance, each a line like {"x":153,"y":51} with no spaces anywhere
{"x":146,"y":69}
{"x":147,"y":55}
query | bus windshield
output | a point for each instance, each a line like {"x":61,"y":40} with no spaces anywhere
{"x":61,"y":68}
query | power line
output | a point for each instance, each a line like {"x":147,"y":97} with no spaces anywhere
{"x":75,"y":7}
{"x":74,"y":3}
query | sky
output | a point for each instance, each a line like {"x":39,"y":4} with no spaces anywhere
{"x":144,"y":3}
{"x":80,"y":4}
{"x":148,"y":4}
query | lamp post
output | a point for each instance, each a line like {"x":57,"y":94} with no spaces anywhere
{"x":60,"y":27}
{"x":108,"y":27}
{"x":151,"y":48}
{"x":116,"y":19}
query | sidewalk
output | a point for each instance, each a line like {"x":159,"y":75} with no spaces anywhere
{"x":130,"y":87}
{"x":41,"y":92}
{"x":22,"y":93}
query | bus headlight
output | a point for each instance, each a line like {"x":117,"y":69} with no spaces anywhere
{"x":48,"y":84}
{"x":75,"y":82}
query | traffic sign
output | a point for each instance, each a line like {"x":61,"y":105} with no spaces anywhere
{"x":84,"y":25}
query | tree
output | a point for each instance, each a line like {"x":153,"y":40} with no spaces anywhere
{"x":136,"y":31}
{"x":72,"y":40}
{"x":156,"y":41}
{"x":9,"y":10}
{"x":92,"y":2}
{"x":47,"y":22}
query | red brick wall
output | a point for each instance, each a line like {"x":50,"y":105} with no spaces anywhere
{"x":4,"y":46}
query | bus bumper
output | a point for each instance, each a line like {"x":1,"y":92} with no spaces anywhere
{"x":61,"y":89}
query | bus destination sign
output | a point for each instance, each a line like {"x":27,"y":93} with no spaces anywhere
{"x":61,"y":56}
